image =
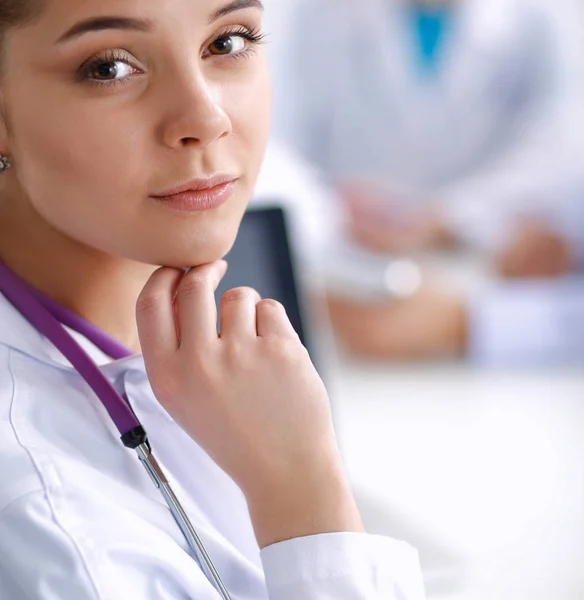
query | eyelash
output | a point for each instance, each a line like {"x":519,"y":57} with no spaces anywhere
{"x":253,"y":36}
{"x":109,"y":56}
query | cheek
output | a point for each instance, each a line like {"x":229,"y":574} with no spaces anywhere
{"x":77,"y":166}
{"x":73,"y":154}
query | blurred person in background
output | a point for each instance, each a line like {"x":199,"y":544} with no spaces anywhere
{"x":438,"y":121}
{"x":439,"y":124}
{"x":511,"y":321}
{"x":530,"y":312}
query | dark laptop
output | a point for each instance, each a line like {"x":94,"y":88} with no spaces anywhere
{"x":262,"y":259}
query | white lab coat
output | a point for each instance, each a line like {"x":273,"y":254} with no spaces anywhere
{"x":81,"y":520}
{"x":495,"y":134}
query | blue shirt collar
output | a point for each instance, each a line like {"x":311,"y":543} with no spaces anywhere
{"x":431,"y":25}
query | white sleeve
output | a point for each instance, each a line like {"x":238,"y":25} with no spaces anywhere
{"x":343,"y":567}
{"x":108,"y":553}
{"x":542,"y":162}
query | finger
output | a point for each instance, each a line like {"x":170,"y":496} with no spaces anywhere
{"x":155,"y":314}
{"x":272,"y":320}
{"x":197,"y":310}
{"x":238,"y":314}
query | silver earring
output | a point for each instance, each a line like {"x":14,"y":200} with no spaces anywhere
{"x":4,"y":164}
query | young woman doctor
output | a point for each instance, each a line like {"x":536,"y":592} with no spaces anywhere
{"x":132,"y":133}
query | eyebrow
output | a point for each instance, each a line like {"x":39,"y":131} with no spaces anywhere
{"x":94,"y":24}
{"x":103,"y":23}
{"x":235,"y":6}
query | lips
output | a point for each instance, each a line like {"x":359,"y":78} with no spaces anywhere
{"x":198,"y":194}
{"x":198,"y":185}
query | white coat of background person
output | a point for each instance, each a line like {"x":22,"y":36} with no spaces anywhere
{"x":490,"y":136}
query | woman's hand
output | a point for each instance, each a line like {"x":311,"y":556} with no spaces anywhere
{"x":250,"y":397}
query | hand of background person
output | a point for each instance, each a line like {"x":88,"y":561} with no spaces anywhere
{"x":427,"y":325}
{"x":384,"y":226}
{"x":250,"y":397}
{"x":535,"y":251}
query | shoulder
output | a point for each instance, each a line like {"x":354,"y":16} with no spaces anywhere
{"x":6,"y":379}
{"x":19,"y":476}
{"x":51,"y":429}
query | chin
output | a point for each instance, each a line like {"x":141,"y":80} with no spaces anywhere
{"x":193,"y":253}
{"x":185,"y":242}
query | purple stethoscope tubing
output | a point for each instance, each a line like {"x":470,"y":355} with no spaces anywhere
{"x":18,"y":293}
{"x":48,"y":317}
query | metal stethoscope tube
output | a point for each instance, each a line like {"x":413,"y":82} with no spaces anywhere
{"x":194,"y":541}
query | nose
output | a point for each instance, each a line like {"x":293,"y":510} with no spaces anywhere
{"x":193,"y":113}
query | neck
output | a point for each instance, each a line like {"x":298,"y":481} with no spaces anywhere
{"x":102,"y":289}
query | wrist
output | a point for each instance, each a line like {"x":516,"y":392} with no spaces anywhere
{"x":304,"y":503}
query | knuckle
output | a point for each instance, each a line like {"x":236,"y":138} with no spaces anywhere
{"x":237,"y":355}
{"x":149,"y":302}
{"x":238,"y":295}
{"x":193,"y":285}
{"x":270,"y":304}
{"x":285,"y":350}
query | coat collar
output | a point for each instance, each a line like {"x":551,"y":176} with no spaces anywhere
{"x":17,"y":333}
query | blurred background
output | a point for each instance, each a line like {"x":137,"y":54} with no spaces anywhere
{"x":430,"y":157}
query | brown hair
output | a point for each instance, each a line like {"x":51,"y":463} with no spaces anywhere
{"x":14,"y":13}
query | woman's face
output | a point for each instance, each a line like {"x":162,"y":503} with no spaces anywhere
{"x":111,"y":102}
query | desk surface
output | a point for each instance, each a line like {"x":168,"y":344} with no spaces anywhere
{"x":487,"y":465}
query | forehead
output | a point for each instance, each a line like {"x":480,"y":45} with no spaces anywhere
{"x":59,"y":16}
{"x":193,"y":7}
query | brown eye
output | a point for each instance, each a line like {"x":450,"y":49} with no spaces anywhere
{"x":105,"y":71}
{"x":109,"y":70}
{"x":229,"y":44}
